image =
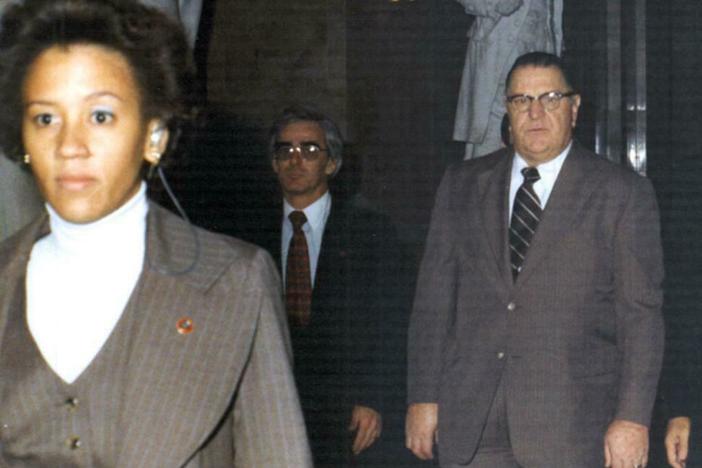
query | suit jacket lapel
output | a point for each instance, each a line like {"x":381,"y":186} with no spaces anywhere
{"x":574,"y":186}
{"x":179,"y":385}
{"x":14,"y":256}
{"x":328,"y":252}
{"x":493,"y":188}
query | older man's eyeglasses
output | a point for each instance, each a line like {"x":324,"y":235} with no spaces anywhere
{"x":550,"y":100}
{"x":308,"y":151}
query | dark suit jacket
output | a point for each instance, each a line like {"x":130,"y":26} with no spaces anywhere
{"x":577,"y":339}
{"x":352,"y":351}
{"x":225,"y":392}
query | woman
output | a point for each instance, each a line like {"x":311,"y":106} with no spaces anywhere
{"x":127,"y":337}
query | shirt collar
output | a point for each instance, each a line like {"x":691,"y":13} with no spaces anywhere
{"x":548,"y":170}
{"x":316,"y":213}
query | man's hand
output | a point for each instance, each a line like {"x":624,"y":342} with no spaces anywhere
{"x":677,"y":440}
{"x":626,"y":445}
{"x":507,"y":7}
{"x":368,"y":425}
{"x":420,"y":428}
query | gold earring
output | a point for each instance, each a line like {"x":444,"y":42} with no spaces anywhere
{"x":27,"y":158}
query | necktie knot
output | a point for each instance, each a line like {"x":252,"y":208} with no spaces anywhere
{"x":531,"y":174}
{"x":298,"y":219}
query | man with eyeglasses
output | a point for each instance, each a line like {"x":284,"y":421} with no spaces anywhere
{"x":536,"y":336}
{"x":338,"y":266}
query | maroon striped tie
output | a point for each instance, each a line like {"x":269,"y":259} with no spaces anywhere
{"x":298,"y":287}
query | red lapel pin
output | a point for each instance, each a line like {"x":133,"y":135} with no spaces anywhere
{"x":185,"y":325}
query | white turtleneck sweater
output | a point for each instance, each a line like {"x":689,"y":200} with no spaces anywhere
{"x":79,"y":280}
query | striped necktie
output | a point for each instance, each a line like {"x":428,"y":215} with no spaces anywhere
{"x":526,"y":214}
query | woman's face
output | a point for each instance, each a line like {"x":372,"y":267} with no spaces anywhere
{"x":84,"y":131}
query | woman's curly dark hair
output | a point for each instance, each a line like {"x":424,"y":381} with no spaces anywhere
{"x":154,"y":45}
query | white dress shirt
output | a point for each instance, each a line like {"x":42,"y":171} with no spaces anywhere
{"x":317,"y":214}
{"x":548,"y":171}
{"x":79,"y":280}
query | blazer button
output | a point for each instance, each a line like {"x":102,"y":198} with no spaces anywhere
{"x":511,"y":306}
{"x":72,"y":403}
{"x":500,"y":355}
{"x":73,"y":443}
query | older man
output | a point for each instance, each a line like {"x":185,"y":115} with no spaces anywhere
{"x":536,"y":336}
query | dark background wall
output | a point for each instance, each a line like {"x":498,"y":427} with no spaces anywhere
{"x":675,"y":127}
{"x":387,"y":72}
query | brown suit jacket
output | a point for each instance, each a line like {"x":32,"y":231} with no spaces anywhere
{"x":222,"y":395}
{"x":577,"y":339}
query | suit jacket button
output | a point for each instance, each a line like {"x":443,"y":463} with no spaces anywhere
{"x":511,"y":306}
{"x":500,"y":355}
{"x":72,"y":403}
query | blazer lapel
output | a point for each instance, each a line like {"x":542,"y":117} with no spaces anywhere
{"x":570,"y":195}
{"x":14,"y":256}
{"x":182,"y":375}
{"x":493,"y":187}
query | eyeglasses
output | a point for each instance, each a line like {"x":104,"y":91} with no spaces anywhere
{"x":308,"y":151}
{"x":550,"y":100}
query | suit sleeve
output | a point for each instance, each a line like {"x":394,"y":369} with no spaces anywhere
{"x":638,"y":283}
{"x":269,"y":429}
{"x":434,"y":302}
{"x":371,"y":308}
{"x":390,"y":310}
